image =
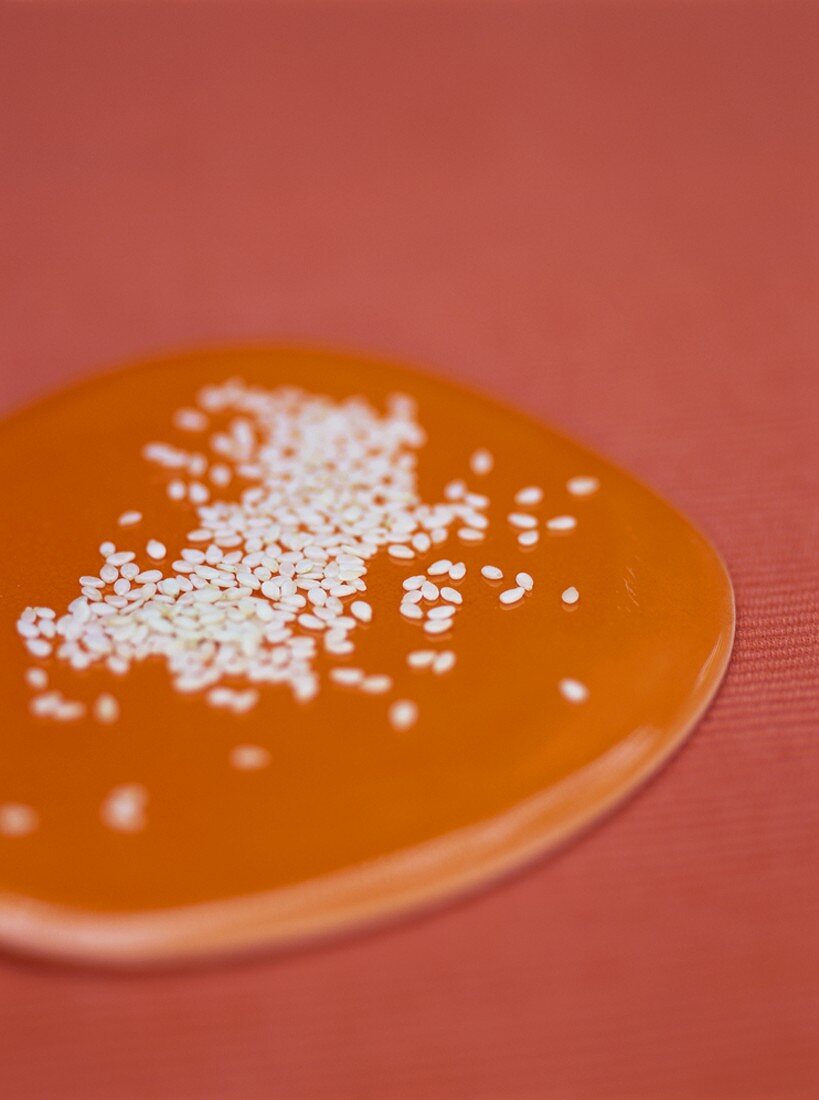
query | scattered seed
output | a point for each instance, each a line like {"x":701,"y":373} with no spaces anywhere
{"x":528,"y":538}
{"x":421,"y":658}
{"x":524,"y":581}
{"x":106,"y":708}
{"x":439,"y":568}
{"x":451,"y":595}
{"x":522,"y":520}
{"x":481,"y":462}
{"x":529,"y":496}
{"x":156,"y":549}
{"x":582,"y":486}
{"x":403,"y":714}
{"x":444,"y":662}
{"x":249,"y":757}
{"x":128,"y":519}
{"x":362,"y":611}
{"x":124,"y":808}
{"x":570,"y":595}
{"x":17,"y":819}
{"x":512,"y":595}
{"x":458,"y":571}
{"x":573,"y":690}
{"x":492,"y":573}
{"x":561,"y":523}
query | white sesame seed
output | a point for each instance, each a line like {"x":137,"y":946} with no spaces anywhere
{"x":481,"y":462}
{"x":441,"y":611}
{"x":421,"y":542}
{"x":421,"y":658}
{"x":412,"y":597}
{"x":156,"y":549}
{"x":528,"y":538}
{"x":430,"y":591}
{"x":438,"y":568}
{"x":451,"y":595}
{"x":582,"y":485}
{"x":106,"y":708}
{"x":149,"y":576}
{"x":573,"y":690}
{"x":249,"y":757}
{"x":458,"y":571}
{"x":124,"y":808}
{"x":570,"y":595}
{"x":107,"y":548}
{"x":198,"y":493}
{"x":362,"y":611}
{"x":470,"y":534}
{"x":411,"y":583}
{"x":444,"y":662}
{"x":120,"y":558}
{"x":492,"y":573}
{"x":190,"y":420}
{"x":376,"y":685}
{"x":411,"y":611}
{"x":512,"y":595}
{"x":522,"y":520}
{"x":176,"y":489}
{"x":454,"y":490}
{"x":400,"y":552}
{"x":403,"y":714}
{"x":17,"y":819}
{"x":109,"y":573}
{"x":347,"y":677}
{"x":128,"y":519}
{"x":92,"y":582}
{"x":122,"y":586}
{"x":38,"y":647}
{"x":524,"y":581}
{"x":529,"y":496}
{"x":37,"y":678}
{"x":561,"y":523}
{"x":437,"y":626}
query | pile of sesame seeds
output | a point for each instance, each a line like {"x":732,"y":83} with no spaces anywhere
{"x":294,"y":494}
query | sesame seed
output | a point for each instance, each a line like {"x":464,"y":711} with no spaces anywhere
{"x":441,"y":611}
{"x":528,"y":538}
{"x":156,"y":549}
{"x":570,"y":595}
{"x":470,"y":534}
{"x":430,"y":591}
{"x":403,"y":714}
{"x":522,"y":520}
{"x":439,"y":568}
{"x":457,"y":572}
{"x":107,"y":548}
{"x":37,"y":678}
{"x":411,"y":583}
{"x":17,"y":819}
{"x":411,"y":611}
{"x":529,"y":496}
{"x":347,"y":677}
{"x":573,"y":690}
{"x":106,"y":708}
{"x":124,"y":808}
{"x":421,"y":658}
{"x":249,"y":757}
{"x":492,"y":573}
{"x":400,"y":552}
{"x":512,"y":595}
{"x":362,"y":611}
{"x":376,"y":685}
{"x":444,"y":662}
{"x":128,"y":519}
{"x":481,"y":462}
{"x":451,"y":595}
{"x":437,"y":626}
{"x":524,"y":581}
{"x":561,"y":523}
{"x":582,"y":485}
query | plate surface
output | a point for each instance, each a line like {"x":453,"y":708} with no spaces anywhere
{"x":350,"y":820}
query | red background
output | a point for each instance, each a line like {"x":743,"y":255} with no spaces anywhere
{"x":605,"y":213}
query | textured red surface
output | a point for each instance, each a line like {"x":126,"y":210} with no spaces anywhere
{"x":606,"y":214}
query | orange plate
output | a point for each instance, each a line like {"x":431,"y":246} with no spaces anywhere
{"x":350,"y":821}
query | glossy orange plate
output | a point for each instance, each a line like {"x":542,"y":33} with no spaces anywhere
{"x":350,"y":819}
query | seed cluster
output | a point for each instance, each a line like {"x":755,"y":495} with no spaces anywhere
{"x":294,"y":495}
